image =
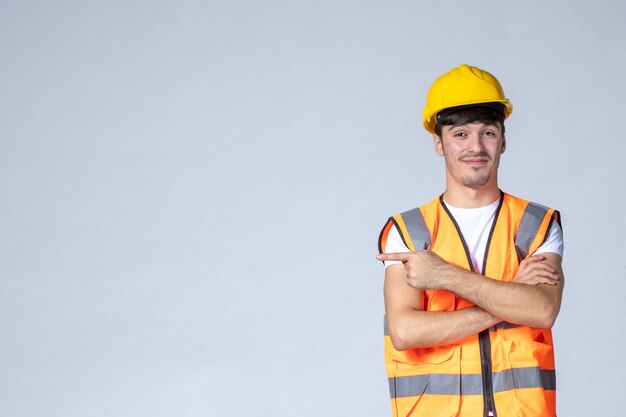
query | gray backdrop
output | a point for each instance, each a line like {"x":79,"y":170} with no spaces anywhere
{"x":192,"y":192}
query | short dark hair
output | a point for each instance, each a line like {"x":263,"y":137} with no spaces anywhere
{"x":461,"y":115}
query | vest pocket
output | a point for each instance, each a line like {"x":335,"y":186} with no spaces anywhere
{"x":426,"y":382}
{"x":431,"y":355}
{"x":525,"y":380}
{"x":527,"y":353}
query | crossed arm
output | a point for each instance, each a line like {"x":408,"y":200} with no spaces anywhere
{"x":533,"y":298}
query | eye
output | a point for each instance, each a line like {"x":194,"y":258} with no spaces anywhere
{"x":459,"y":134}
{"x":489,"y":133}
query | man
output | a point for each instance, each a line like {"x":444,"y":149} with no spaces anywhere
{"x":473,"y":279}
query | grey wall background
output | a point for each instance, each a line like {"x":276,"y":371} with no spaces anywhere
{"x":192,"y":193}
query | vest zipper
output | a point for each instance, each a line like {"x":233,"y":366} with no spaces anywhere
{"x":485,"y":359}
{"x":484,"y":341}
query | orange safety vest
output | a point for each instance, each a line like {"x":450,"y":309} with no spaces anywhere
{"x":506,"y":370}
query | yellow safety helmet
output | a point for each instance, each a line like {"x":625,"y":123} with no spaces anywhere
{"x":463,"y":86}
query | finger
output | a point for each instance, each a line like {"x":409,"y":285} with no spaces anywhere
{"x":534,"y":258}
{"x":539,"y":280}
{"x":533,"y":276}
{"x":545,"y":275}
{"x":393,"y":257}
{"x":540,"y":267}
{"x":544,"y":280}
{"x":535,"y":266}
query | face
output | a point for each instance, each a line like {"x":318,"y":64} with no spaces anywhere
{"x":472,"y":153}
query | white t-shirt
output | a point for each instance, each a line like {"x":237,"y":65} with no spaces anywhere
{"x":475,"y":225}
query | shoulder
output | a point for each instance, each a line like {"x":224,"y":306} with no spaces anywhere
{"x":409,"y":227}
{"x":531,"y":210}
{"x":538,"y":227}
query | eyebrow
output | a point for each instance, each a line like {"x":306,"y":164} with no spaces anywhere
{"x":470,"y":123}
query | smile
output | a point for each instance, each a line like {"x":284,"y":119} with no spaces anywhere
{"x":475,"y":161}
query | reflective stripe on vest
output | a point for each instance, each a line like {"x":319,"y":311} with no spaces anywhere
{"x":528,"y":228}
{"x":521,"y":358}
{"x":471,"y":384}
{"x":416,"y":227}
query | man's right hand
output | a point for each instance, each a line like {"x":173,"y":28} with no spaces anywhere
{"x":423,"y":268}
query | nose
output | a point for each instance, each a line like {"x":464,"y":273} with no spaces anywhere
{"x":475,"y":143}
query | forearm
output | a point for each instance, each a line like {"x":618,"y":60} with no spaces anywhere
{"x":532,"y":305}
{"x":415,"y":328}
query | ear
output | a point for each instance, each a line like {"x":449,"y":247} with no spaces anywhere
{"x":503,"y":145}
{"x":438,"y":144}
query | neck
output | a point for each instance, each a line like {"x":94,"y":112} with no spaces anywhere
{"x":466,"y":197}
